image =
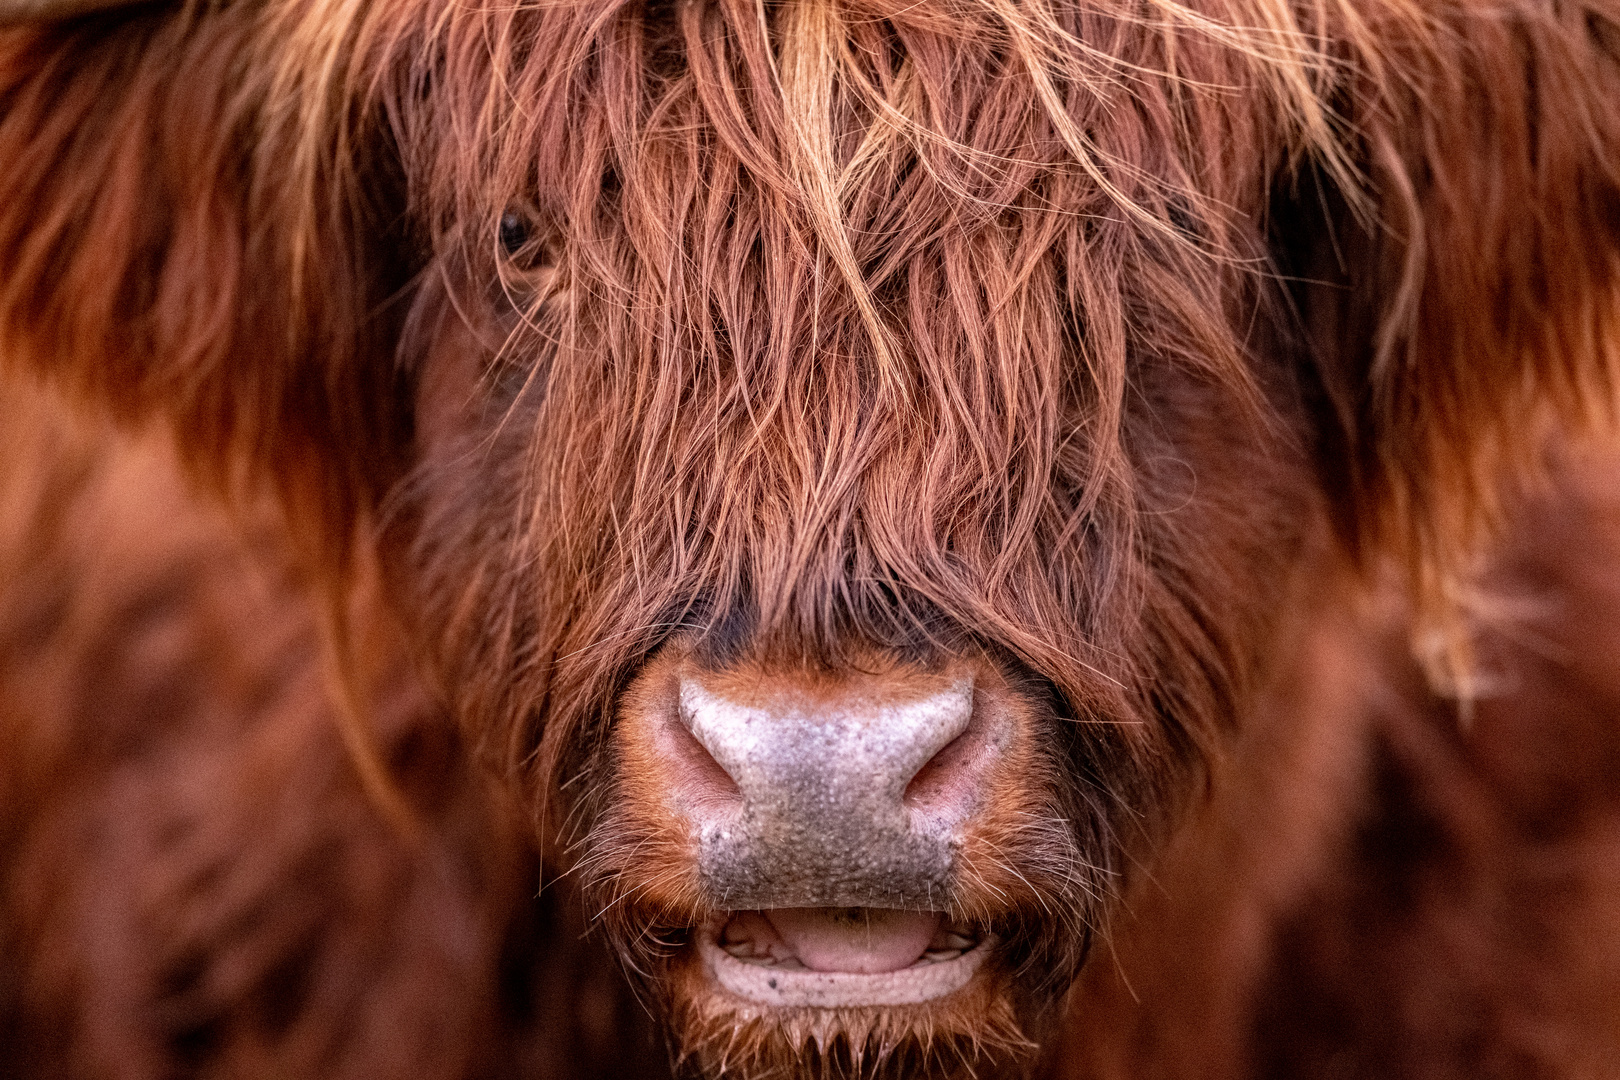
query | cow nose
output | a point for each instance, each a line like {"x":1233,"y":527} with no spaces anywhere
{"x":846,"y":799}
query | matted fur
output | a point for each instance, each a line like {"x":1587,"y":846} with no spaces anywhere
{"x":1060,"y":332}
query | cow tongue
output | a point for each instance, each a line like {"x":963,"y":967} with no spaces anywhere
{"x":860,"y":940}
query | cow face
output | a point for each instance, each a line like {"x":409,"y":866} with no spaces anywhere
{"x":852,"y":586}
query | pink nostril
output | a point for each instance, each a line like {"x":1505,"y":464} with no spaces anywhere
{"x":698,"y":779}
{"x":946,"y":777}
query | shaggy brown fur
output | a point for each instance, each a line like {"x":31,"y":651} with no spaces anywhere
{"x":1110,"y":342}
{"x":193,"y":880}
{"x":1464,"y":926}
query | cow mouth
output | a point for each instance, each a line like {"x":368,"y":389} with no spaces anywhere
{"x":842,"y":957}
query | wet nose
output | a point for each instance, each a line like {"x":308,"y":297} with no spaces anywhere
{"x":851,"y":798}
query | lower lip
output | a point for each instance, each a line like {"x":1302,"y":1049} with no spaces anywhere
{"x":789,"y":989}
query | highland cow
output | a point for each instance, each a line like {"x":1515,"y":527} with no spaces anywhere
{"x":817,"y":538}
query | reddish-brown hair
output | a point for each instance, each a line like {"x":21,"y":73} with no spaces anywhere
{"x":863,"y":324}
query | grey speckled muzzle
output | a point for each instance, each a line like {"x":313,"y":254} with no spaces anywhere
{"x":823,"y":819}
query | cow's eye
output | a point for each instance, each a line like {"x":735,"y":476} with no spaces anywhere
{"x":514,"y":232}
{"x":527,"y":274}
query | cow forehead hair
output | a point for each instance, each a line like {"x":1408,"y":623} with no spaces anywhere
{"x":947,"y":194}
{"x":924,"y":228}
{"x":948,"y":198}
{"x":820,"y":110}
